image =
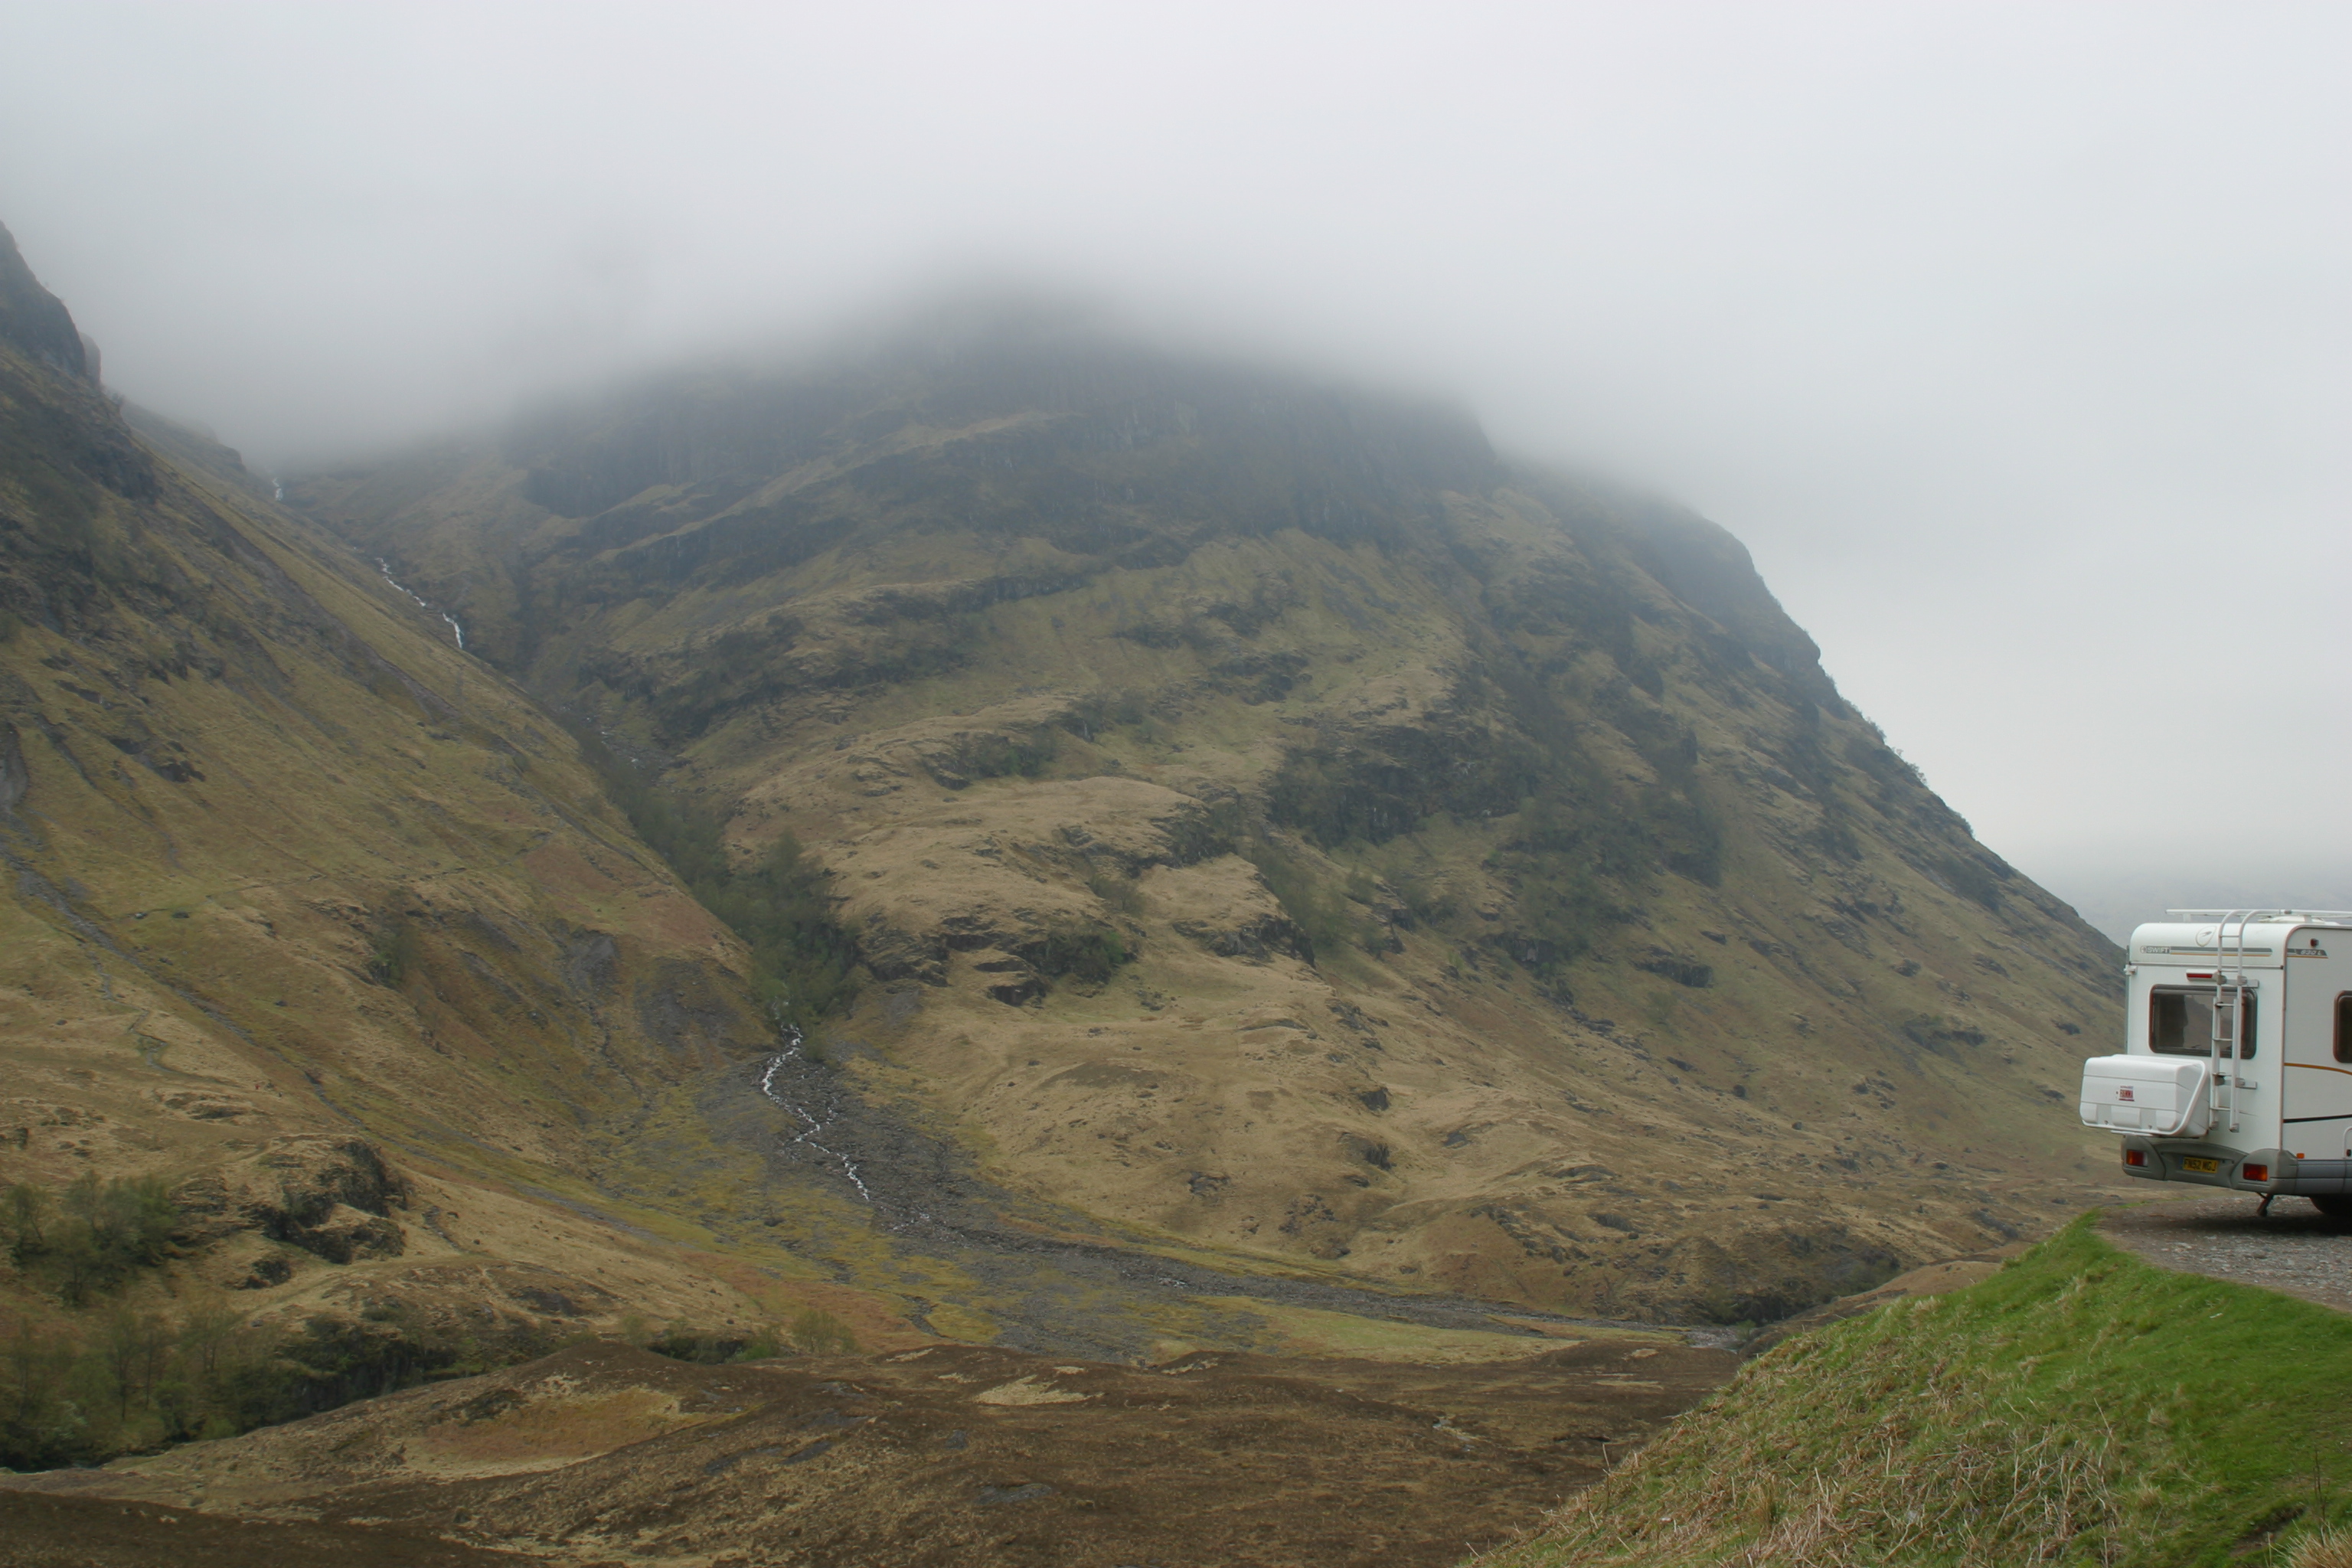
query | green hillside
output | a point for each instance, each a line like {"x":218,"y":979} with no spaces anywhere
{"x":2078,"y":1407}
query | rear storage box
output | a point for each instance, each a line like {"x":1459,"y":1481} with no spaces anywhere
{"x":2163,"y":1095}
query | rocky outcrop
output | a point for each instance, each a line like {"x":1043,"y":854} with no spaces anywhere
{"x":1013,"y":880}
{"x":36,"y":320}
{"x":332,"y":1196}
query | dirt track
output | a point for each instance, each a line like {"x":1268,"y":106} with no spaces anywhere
{"x":2294,"y":1250}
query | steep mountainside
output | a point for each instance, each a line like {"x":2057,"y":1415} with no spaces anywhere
{"x":294,"y":889}
{"x":1280,"y":828}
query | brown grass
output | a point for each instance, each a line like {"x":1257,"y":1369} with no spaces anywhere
{"x":2011,"y":1489}
{"x":2327,"y":1547}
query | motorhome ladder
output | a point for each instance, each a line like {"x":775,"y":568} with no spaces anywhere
{"x":2229,"y":1015}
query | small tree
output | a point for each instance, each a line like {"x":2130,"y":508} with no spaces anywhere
{"x":38,"y":1425}
{"x":25,"y":1210}
{"x":209,"y":1331}
{"x":397,"y":952}
{"x":816,"y":1332}
{"x":135,"y":1346}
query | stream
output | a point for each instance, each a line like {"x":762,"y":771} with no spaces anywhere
{"x":422,"y":602}
{"x":793,"y":1052}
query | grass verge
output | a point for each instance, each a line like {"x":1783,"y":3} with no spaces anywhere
{"x":2078,"y":1407}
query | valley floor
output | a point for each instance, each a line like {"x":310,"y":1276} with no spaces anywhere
{"x":2064,"y":1400}
{"x":947,"y":1454}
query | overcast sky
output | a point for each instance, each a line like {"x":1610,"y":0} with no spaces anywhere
{"x":2013,"y":340}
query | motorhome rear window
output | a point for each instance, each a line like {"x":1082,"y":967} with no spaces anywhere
{"x":2344,"y":1026}
{"x":2180,"y":1023}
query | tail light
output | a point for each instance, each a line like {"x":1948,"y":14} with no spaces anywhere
{"x":2254,"y":1173}
{"x":2135,"y":1156}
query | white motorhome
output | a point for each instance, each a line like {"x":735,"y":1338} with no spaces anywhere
{"x":2237,"y":1070}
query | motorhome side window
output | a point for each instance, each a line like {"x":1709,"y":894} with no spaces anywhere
{"x":2180,"y":1023}
{"x":2344,"y":1027}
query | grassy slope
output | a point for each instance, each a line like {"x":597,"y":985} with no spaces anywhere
{"x":345,"y":781}
{"x":2079,"y":1407}
{"x":1325,"y":636}
{"x":236,"y":770}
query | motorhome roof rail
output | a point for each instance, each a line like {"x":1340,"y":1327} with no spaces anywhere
{"x":2264,"y":914}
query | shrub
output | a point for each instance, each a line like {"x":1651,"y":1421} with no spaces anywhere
{"x":812,"y":1332}
{"x":92,"y":1378}
{"x":1001,"y":756}
{"x":78,"y":1388}
{"x":818,"y":1332}
{"x":92,"y":1238}
{"x":1119,"y":893}
{"x":398,"y":953}
{"x":1426,"y":904}
{"x":1090,"y":954}
{"x":706,"y":1347}
{"x":1321,"y":913}
{"x":24,"y":1210}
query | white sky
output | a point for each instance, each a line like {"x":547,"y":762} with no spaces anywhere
{"x":2013,"y":340}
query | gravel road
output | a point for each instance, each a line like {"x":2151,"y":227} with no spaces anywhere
{"x":2294,"y":1250}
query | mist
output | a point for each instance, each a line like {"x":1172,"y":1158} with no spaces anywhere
{"x":2010,"y":339}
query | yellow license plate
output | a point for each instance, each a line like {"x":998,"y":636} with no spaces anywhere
{"x":2202,"y":1167}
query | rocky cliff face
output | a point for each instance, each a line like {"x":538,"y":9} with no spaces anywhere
{"x":1275,"y":825}
{"x":36,"y":323}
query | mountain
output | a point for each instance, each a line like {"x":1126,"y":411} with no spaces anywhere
{"x":1198,"y":884}
{"x":1271,"y":828}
